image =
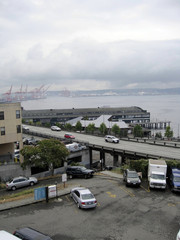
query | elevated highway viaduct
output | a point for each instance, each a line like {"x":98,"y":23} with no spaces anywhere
{"x":130,"y":149}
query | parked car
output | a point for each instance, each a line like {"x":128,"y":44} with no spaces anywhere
{"x":74,"y":147}
{"x":178,"y":235}
{"x":79,"y":171}
{"x":131,"y":178}
{"x":55,"y":128}
{"x":83,"y":197}
{"x":7,"y":236}
{"x":112,"y":139}
{"x":20,"y":182}
{"x":69,"y":135}
{"x":16,"y":154}
{"x":28,"y":233}
{"x":174,"y":179}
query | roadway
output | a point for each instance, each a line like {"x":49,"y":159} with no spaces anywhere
{"x":146,"y":149}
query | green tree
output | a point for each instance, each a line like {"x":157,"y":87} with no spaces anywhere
{"x":47,"y":153}
{"x":47,"y":125}
{"x":78,"y":126}
{"x":169,"y":132}
{"x":68,"y":126}
{"x":158,"y":135}
{"x":90,"y":128}
{"x":103,"y":128}
{"x":116,"y":129}
{"x":137,"y":131}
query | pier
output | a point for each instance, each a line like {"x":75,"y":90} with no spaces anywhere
{"x":156,"y":125}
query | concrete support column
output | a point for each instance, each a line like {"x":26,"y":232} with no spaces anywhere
{"x":115,"y":160}
{"x":123,"y":159}
{"x":90,"y":157}
{"x":102,"y":158}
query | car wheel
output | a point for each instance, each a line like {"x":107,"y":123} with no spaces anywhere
{"x":13,"y":188}
{"x":70,"y":176}
{"x":85,"y":176}
{"x":31,"y":183}
{"x":78,"y":205}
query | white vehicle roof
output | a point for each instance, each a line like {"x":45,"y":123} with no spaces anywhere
{"x":159,"y":173}
{"x":82,"y":190}
{"x":157,"y":162}
{"x":7,"y":236}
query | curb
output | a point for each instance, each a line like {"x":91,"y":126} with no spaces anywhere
{"x":29,"y":201}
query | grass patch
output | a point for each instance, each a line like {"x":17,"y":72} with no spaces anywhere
{"x":17,"y":196}
{"x":25,"y":194}
{"x":117,"y":170}
{"x":2,"y":185}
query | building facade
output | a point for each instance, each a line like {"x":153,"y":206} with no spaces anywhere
{"x":126,"y":114}
{"x":10,"y":130}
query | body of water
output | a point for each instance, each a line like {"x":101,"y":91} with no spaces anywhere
{"x":161,"y":107}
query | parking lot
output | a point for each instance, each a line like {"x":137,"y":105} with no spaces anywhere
{"x":121,"y":213}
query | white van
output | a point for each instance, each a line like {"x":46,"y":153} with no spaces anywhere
{"x":74,"y":147}
{"x":7,"y":236}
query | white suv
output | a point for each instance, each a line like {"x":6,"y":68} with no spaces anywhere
{"x":111,"y":139}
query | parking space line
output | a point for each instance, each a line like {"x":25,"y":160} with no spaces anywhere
{"x":147,"y":190}
{"x":111,"y":195}
{"x":127,"y":191}
{"x":173,"y":204}
{"x":67,"y":198}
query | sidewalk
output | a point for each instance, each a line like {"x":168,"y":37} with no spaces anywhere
{"x":62,"y":192}
{"x":112,"y":174}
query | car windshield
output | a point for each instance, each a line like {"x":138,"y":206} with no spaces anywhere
{"x":132,"y":175}
{"x":158,"y":176}
{"x":87,"y":196}
{"x":83,"y":168}
{"x":177,"y":179}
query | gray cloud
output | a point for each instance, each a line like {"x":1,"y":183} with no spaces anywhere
{"x":111,"y":44}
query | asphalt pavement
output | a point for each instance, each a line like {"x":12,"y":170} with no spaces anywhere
{"x":27,"y":201}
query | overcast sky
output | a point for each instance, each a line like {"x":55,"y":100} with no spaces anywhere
{"x":89,"y":44}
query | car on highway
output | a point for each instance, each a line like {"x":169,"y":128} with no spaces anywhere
{"x":28,"y":233}
{"x":55,"y":128}
{"x":69,"y":136}
{"x":112,"y":139}
{"x":79,"y":171}
{"x":83,"y":197}
{"x":19,"y":182}
{"x":131,"y":178}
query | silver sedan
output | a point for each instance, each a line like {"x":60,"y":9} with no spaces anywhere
{"x":83,"y":197}
{"x":19,"y":182}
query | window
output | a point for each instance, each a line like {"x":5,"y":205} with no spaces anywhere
{"x":1,"y":115}
{"x":18,"y":128}
{"x":2,"y":131}
{"x":18,"y":115}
